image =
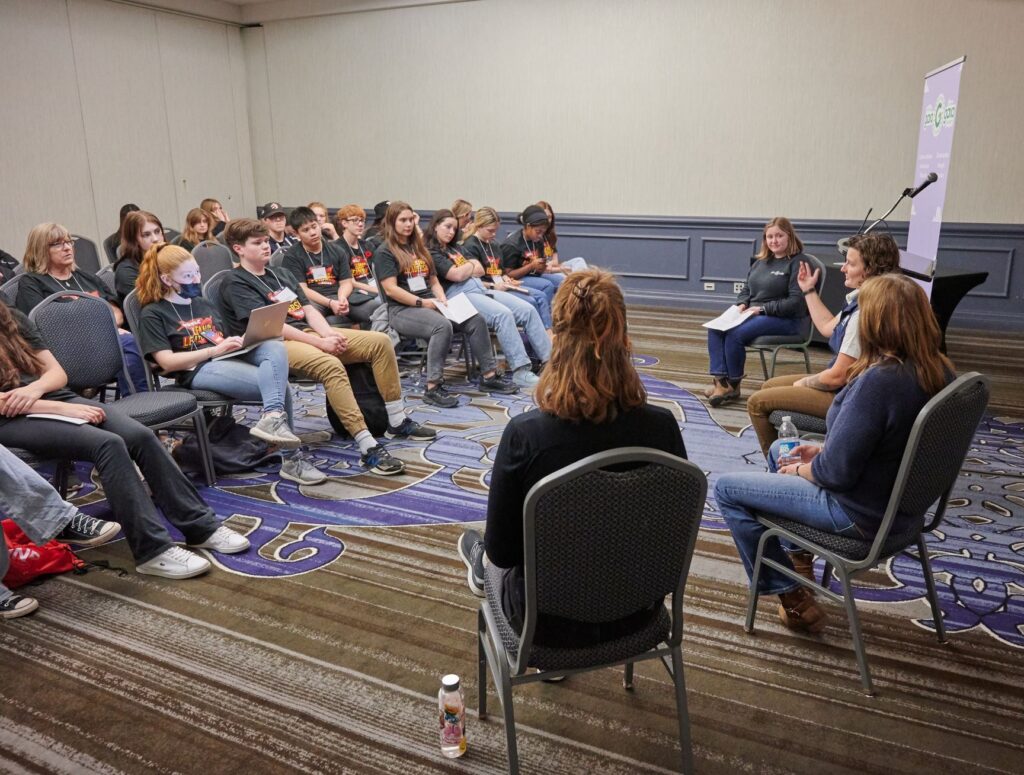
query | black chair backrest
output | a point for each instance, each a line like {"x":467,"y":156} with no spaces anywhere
{"x":9,"y":290}
{"x":132,"y":311}
{"x":212,"y":257}
{"x":171,"y":234}
{"x":611,"y":534}
{"x":110,"y":246}
{"x":86,"y":255}
{"x":106,"y":275}
{"x":81,"y":333}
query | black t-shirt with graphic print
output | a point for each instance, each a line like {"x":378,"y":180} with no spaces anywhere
{"x":444,"y":260}
{"x":517,"y":250}
{"x":243,"y":292}
{"x":164,"y":325}
{"x":487,"y":253}
{"x":359,"y":258}
{"x":34,"y":287}
{"x":8,"y":266}
{"x":36,"y":343}
{"x":321,"y":272}
{"x":385,"y":265}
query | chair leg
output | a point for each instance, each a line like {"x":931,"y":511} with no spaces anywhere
{"x":858,"y":641}
{"x":678,"y":679}
{"x":203,"y":439}
{"x":748,"y":626}
{"x":775,"y":357}
{"x":61,"y":474}
{"x":627,"y":678}
{"x":764,"y":365}
{"x":929,"y":580}
{"x":481,"y":673}
{"x":807,"y":360}
{"x":504,"y":686}
{"x":826,"y":575}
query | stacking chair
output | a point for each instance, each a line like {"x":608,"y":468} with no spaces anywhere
{"x":82,"y":335}
{"x":604,"y":537}
{"x":938,"y":444}
{"x":212,"y":257}
{"x":799,"y":341}
{"x":110,"y":245}
{"x":86,"y":255}
{"x":277,"y":257}
{"x":9,"y":290}
{"x":106,"y":275}
{"x":171,"y":234}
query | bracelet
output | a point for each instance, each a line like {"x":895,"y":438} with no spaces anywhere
{"x":798,"y":468}
{"x":812,"y":290}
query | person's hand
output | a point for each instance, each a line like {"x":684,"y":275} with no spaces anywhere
{"x":331,"y":345}
{"x":429,"y":304}
{"x":339,"y":306}
{"x":329,"y":230}
{"x":790,"y":469}
{"x":228,"y":345}
{"x":755,"y":310}
{"x":806,"y":279}
{"x":538,"y":264}
{"x":513,"y":282}
{"x":741,"y":307}
{"x":20,"y":400}
{"x":341,"y":339}
{"x":802,"y":382}
{"x":804,"y":453}
{"x":93,"y":415}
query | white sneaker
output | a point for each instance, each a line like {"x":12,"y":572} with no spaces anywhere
{"x":525,"y":378}
{"x":224,"y":540}
{"x":273,"y":429}
{"x":175,"y":563}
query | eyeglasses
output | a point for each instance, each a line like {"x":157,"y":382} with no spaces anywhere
{"x":355,"y":220}
{"x":70,"y":242}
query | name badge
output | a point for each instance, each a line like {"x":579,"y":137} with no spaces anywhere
{"x":498,"y":280}
{"x":417,"y":284}
{"x":319,"y":273}
{"x":370,"y":281}
{"x":285,"y":294}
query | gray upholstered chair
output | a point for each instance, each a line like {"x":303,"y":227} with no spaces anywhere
{"x":799,"y":341}
{"x":106,"y":276}
{"x":212,"y":257}
{"x":9,"y":290}
{"x":938,"y":444}
{"x":603,"y":538}
{"x":87,"y":257}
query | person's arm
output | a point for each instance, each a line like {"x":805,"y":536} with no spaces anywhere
{"x":31,"y":291}
{"x":345,"y":288}
{"x":88,"y":412}
{"x":168,"y":360}
{"x":792,"y":306}
{"x":513,"y":263}
{"x":743,"y":297}
{"x":477,"y":268}
{"x":458,"y":274}
{"x":832,"y":378}
{"x":503,"y":536}
{"x":823,"y":320}
{"x":399,"y":295}
{"x":25,"y":399}
{"x":437,"y":290}
{"x":853,"y":436}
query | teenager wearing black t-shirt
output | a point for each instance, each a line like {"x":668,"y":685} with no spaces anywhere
{"x":314,"y":348}
{"x":275,"y":220}
{"x":406,"y":274}
{"x":523,"y":253}
{"x":50,"y":268}
{"x":351,"y":222}
{"x":140,"y":231}
{"x":198,"y":227}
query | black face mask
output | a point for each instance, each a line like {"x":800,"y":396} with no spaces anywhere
{"x":190,"y":290}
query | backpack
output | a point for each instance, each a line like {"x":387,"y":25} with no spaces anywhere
{"x":371,"y":404}
{"x":233,"y":449}
{"x":28,"y":561}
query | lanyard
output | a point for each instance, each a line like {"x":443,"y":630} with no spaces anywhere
{"x":276,"y":278}
{"x":320,"y":255}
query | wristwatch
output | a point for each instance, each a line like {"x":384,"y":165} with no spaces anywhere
{"x":419,"y":302}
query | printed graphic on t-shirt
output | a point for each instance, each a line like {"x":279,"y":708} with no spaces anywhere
{"x":548,"y":252}
{"x":493,"y":267}
{"x":295,"y":310}
{"x":199,"y":332}
{"x":360,"y":263}
{"x":457,"y":258}
{"x":321,"y":276}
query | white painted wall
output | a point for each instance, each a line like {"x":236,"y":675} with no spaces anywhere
{"x":664,"y":107}
{"x":103,"y":103}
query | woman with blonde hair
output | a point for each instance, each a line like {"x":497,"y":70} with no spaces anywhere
{"x":590,"y":398}
{"x":219,"y":218}
{"x":198,"y":227}
{"x":844,"y":485}
{"x":773,"y":295}
{"x":323,"y":218}
{"x":184,"y":335}
{"x":50,"y":268}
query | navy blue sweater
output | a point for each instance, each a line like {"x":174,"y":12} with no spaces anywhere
{"x":868,"y":426}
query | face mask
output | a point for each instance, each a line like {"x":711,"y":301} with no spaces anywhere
{"x":190,"y":290}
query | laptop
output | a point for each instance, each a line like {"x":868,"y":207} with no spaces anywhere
{"x":264,"y":323}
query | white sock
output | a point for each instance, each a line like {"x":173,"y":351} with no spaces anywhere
{"x":365,"y":441}
{"x":396,"y":412}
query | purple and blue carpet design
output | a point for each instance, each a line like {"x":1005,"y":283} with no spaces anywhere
{"x":977,"y":555}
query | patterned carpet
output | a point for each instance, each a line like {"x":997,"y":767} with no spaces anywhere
{"x":322,"y":648}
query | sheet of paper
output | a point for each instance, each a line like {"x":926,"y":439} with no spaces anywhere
{"x":458,"y":309}
{"x":60,"y":417}
{"x":731,"y":318}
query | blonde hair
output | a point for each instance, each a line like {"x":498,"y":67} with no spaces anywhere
{"x":794,"y":246}
{"x":37,"y":246}
{"x":161,"y":259}
{"x":484,"y":216}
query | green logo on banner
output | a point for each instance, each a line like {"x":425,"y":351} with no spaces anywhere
{"x":940,"y":115}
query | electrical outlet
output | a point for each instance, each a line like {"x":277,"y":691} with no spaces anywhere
{"x":709,"y":286}
{"x":738,"y":287}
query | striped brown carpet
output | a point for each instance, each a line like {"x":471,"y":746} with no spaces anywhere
{"x":336,"y":670}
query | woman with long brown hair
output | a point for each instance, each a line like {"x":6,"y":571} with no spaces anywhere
{"x":590,"y":399}
{"x":844,"y":485}
{"x":406,"y":273}
{"x":198,"y":228}
{"x":141,"y":231}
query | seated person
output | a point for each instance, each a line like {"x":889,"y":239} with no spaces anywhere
{"x":523,"y":253}
{"x":551,"y":246}
{"x":50,"y":268}
{"x":182,"y":332}
{"x":480,"y":245}
{"x":772,"y":292}
{"x":112,"y":244}
{"x":8,"y":266}
{"x":844,"y":486}
{"x":315,"y":349}
{"x":463,"y":211}
{"x":42,"y":515}
{"x":406,"y":273}
{"x":460,"y":275}
{"x":326,"y":227}
{"x":351,"y":222}
{"x":198,"y":227}
{"x":275,"y":220}
{"x":869,"y":255}
{"x":139,"y":232}
{"x":585,"y":405}
{"x":219,"y":217}
{"x":31,"y":381}
{"x":323,"y":272}
{"x":375,"y":234}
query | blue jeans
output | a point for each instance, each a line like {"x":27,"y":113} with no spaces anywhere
{"x":793,"y":497}
{"x":728,"y":348}
{"x":504,"y":320}
{"x":133,"y":361}
{"x":32,"y":503}
{"x":259,"y":375}
{"x":542,"y":284}
{"x":533,"y":297}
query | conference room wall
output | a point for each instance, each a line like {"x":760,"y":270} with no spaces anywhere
{"x":104,"y":103}
{"x":728,"y":109}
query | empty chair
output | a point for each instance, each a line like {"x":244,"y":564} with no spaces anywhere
{"x":86,"y":255}
{"x":212,"y":257}
{"x":9,"y":290}
{"x":106,"y":274}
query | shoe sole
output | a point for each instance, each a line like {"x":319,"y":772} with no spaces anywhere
{"x":164,"y":575}
{"x":473,"y":587}
{"x":17,"y":613}
{"x":221,"y":551}
{"x":381,"y":472}
{"x":99,"y":540}
{"x":813,"y":629}
{"x":279,"y":441}
{"x":441,"y":404}
{"x":411,"y":437}
{"x":297,"y":480}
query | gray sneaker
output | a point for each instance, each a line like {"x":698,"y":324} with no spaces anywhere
{"x":296,"y":468}
{"x":273,"y":429}
{"x":525,"y":378}
{"x":471,"y":550}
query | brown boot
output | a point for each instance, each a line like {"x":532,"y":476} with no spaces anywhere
{"x":708,"y":392}
{"x":803,"y":563}
{"x":721,"y":392}
{"x":734,"y":385}
{"x":799,"y":611}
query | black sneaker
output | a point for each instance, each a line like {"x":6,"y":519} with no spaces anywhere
{"x":439,"y":396}
{"x":410,"y":429}
{"x":17,"y":605}
{"x":88,"y":531}
{"x":379,"y":461}
{"x":496,"y":384}
{"x":471,"y":550}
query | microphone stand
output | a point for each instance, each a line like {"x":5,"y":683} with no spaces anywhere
{"x":844,"y":243}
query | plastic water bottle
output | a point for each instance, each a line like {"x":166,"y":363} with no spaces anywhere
{"x":451,"y":706}
{"x":789,"y":439}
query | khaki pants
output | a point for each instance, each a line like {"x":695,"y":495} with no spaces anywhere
{"x":780,"y":393}
{"x":363,"y":347}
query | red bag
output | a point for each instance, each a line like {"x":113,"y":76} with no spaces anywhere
{"x":28,"y":561}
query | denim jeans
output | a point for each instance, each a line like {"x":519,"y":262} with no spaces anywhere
{"x":740,"y":495}
{"x":542,"y":284}
{"x":258,"y":375}
{"x":728,"y":348}
{"x":504,"y":321}
{"x":32,"y":503}
{"x":133,"y":361}
{"x":535,"y":298}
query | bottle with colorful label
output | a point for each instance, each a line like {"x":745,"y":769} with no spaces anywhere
{"x":452,"y":713}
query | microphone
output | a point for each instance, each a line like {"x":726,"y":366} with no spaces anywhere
{"x":912,"y":192}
